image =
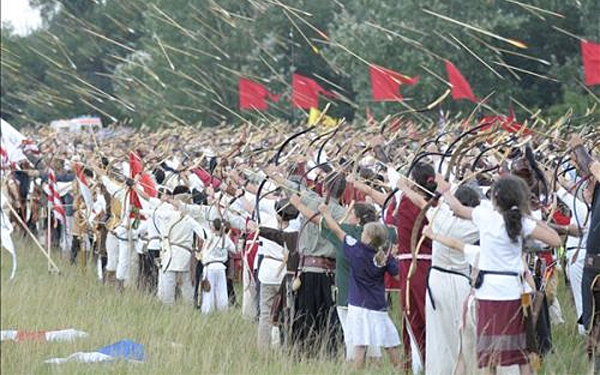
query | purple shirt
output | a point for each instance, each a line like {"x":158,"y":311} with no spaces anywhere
{"x":367,"y":287}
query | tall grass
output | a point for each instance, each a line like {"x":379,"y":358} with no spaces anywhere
{"x":178,"y":339}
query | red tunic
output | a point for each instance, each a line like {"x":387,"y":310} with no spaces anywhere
{"x":404,"y":219}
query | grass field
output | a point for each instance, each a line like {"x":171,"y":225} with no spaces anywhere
{"x":178,"y":340}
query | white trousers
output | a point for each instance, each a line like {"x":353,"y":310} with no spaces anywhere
{"x":167,"y":284}
{"x":112,"y":252}
{"x":442,"y":336}
{"x":575,"y":272}
{"x":249,"y":295}
{"x":216,"y":298}
{"x":67,"y":236}
{"x":267,"y":295}
{"x":372,"y":351}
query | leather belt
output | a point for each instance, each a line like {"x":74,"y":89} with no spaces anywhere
{"x":318,"y":262}
{"x":409,"y":257}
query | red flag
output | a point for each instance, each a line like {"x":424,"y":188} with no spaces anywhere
{"x":206,"y":178}
{"x":136,"y":168}
{"x":385,"y":83}
{"x":305,"y":92}
{"x":252,"y":95}
{"x":460,"y":87}
{"x":590,"y":54}
{"x":84,"y":187}
{"x":508,"y":123}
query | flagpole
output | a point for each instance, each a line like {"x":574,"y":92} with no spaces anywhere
{"x":293,"y":68}
{"x":35,"y":240}
{"x":48,"y":235}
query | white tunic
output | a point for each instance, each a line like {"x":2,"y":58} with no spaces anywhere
{"x":178,"y":240}
{"x":448,"y":292}
{"x":499,"y":253}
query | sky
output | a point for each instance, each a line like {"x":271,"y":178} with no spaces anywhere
{"x":20,"y":14}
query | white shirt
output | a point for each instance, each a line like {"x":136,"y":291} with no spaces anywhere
{"x":272,"y":269}
{"x":268,"y":216}
{"x":499,"y":253}
{"x":99,"y":206}
{"x":443,"y":221}
{"x":215,"y":250}
{"x":178,"y":240}
{"x":118,"y":192}
{"x":579,"y":212}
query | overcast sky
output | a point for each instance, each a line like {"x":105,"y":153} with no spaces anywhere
{"x":22,"y":17}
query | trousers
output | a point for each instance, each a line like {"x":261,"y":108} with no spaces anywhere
{"x":112,"y":252}
{"x":215,"y":299}
{"x":168,"y":282}
{"x":267,"y":294}
{"x":575,"y":272}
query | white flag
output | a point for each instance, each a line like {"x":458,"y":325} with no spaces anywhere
{"x":11,"y":140}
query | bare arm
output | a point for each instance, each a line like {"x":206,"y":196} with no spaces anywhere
{"x":377,"y":196}
{"x":415,"y":197}
{"x":331,"y":223}
{"x":459,"y":210}
{"x":547,"y":235}
{"x":571,"y":229}
{"x":450,"y":242}
{"x":296,"y":201}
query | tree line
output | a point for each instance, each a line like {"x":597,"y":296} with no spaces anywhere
{"x":163,"y":62}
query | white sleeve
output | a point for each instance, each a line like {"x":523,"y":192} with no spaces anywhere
{"x":151,"y":203}
{"x":267,"y":206}
{"x":197,"y":228}
{"x":393,"y":177}
{"x":478,"y":215}
{"x":195,"y":182}
{"x":236,"y":221}
{"x":229,"y":245}
{"x":112,"y":187}
{"x":528,"y":226}
{"x":439,"y":213}
{"x":196,"y":211}
{"x":579,"y":210}
{"x":143,"y":228}
{"x":237,"y":205}
{"x":472,"y":254}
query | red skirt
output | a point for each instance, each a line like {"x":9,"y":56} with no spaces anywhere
{"x":501,"y":338}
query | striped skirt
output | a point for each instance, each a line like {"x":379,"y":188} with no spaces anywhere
{"x":501,"y":338}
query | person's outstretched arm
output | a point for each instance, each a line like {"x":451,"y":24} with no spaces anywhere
{"x":451,"y":242}
{"x":331,"y":223}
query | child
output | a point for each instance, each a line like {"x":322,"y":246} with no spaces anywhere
{"x":368,"y":321}
{"x":502,"y":226}
{"x":214,"y":257}
{"x":359,"y":215}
